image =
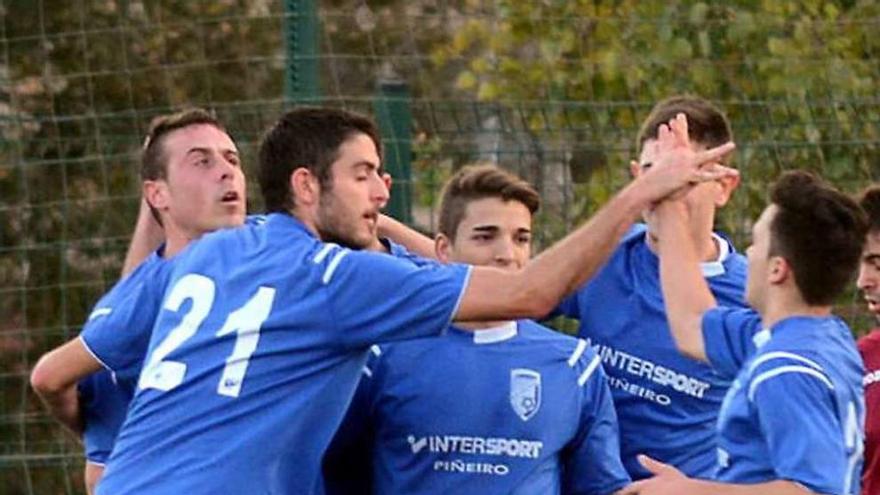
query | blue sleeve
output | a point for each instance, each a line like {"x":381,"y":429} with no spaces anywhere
{"x":378,"y":298}
{"x":592,"y":464}
{"x":728,"y":337}
{"x":104,"y":407}
{"x":399,"y":251}
{"x":118,"y":331}
{"x":803,"y":434}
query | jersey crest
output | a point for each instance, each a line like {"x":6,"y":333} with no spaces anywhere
{"x":525,"y":392}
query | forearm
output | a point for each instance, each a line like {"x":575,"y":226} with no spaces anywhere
{"x":406,"y":236}
{"x":779,"y":487}
{"x":147,"y":237}
{"x":685,"y":292}
{"x":534,"y":291}
{"x":64,"y":406}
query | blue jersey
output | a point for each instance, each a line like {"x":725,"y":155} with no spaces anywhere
{"x":128,"y":310}
{"x":256,"y":353}
{"x":667,"y":404}
{"x":796,"y":409}
{"x":122,"y":319}
{"x":519,"y":409}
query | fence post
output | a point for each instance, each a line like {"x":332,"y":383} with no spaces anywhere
{"x":394,"y":116}
{"x":301,"y":36}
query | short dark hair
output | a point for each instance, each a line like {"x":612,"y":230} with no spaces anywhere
{"x":307,"y":137}
{"x":154,"y":163}
{"x":820,"y":232}
{"x":870,"y":202}
{"x":707,"y":124}
{"x":476,"y":182}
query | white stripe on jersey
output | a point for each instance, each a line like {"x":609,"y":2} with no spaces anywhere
{"x":376,"y":350}
{"x":367,"y":371}
{"x":783,"y":355}
{"x":324,"y":252}
{"x":328,"y":274}
{"x":578,"y":352}
{"x":99,"y":312}
{"x":589,"y":371}
{"x":786,"y":369}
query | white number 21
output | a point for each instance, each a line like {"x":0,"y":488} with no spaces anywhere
{"x":245,"y":322}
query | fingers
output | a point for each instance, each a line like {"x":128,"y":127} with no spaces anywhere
{"x":715,"y":154}
{"x":632,"y":488}
{"x":713,"y":172}
{"x":654,"y":467}
{"x":679,"y":128}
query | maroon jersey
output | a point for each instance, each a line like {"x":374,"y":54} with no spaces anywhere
{"x":869,"y":347}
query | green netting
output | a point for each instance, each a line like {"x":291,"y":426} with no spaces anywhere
{"x":552,"y":90}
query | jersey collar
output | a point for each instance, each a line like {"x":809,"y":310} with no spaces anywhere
{"x":715,"y":268}
{"x":505,"y":331}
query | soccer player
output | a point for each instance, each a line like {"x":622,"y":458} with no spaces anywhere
{"x":504,"y":407}
{"x":869,"y":345}
{"x":792,"y":421}
{"x":192,"y":184}
{"x":264,"y":330}
{"x":666,"y":403}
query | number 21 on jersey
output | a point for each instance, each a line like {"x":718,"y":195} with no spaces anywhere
{"x":245,"y":323}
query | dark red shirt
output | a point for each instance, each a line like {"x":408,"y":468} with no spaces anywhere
{"x":869,"y":347}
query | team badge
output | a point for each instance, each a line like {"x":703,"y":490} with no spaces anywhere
{"x":525,"y":392}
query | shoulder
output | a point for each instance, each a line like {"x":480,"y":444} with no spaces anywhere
{"x":870,"y":343}
{"x":567,"y":351}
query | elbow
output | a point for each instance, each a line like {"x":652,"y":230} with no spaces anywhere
{"x":45,"y":379}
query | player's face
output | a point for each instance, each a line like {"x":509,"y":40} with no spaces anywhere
{"x":205,"y":185}
{"x":759,"y":258}
{"x":493,"y":232}
{"x":701,"y":201}
{"x":869,"y":272}
{"x":349,"y":209}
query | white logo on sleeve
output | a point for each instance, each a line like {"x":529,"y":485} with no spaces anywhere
{"x":525,"y":392}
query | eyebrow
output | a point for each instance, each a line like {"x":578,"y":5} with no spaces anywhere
{"x":871,"y":257}
{"x":207,"y":151}
{"x":495,"y":228}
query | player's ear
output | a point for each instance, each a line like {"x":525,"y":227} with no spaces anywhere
{"x":778,"y":270}
{"x":305,"y":187}
{"x":442,"y":248}
{"x":727,"y":186}
{"x":156,"y":194}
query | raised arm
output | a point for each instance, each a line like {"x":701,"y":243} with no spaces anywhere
{"x":535,"y":290}
{"x":685,"y":292}
{"x":147,"y":237}
{"x":55,"y":377}
{"x":408,"y":237}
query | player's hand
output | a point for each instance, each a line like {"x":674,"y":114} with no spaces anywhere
{"x":666,"y":481}
{"x":677,"y":166}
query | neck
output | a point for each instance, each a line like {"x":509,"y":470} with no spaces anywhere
{"x":784,"y":305}
{"x":176,"y":239}
{"x":307,"y":219}
{"x":480,"y":325}
{"x":707,"y":246}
